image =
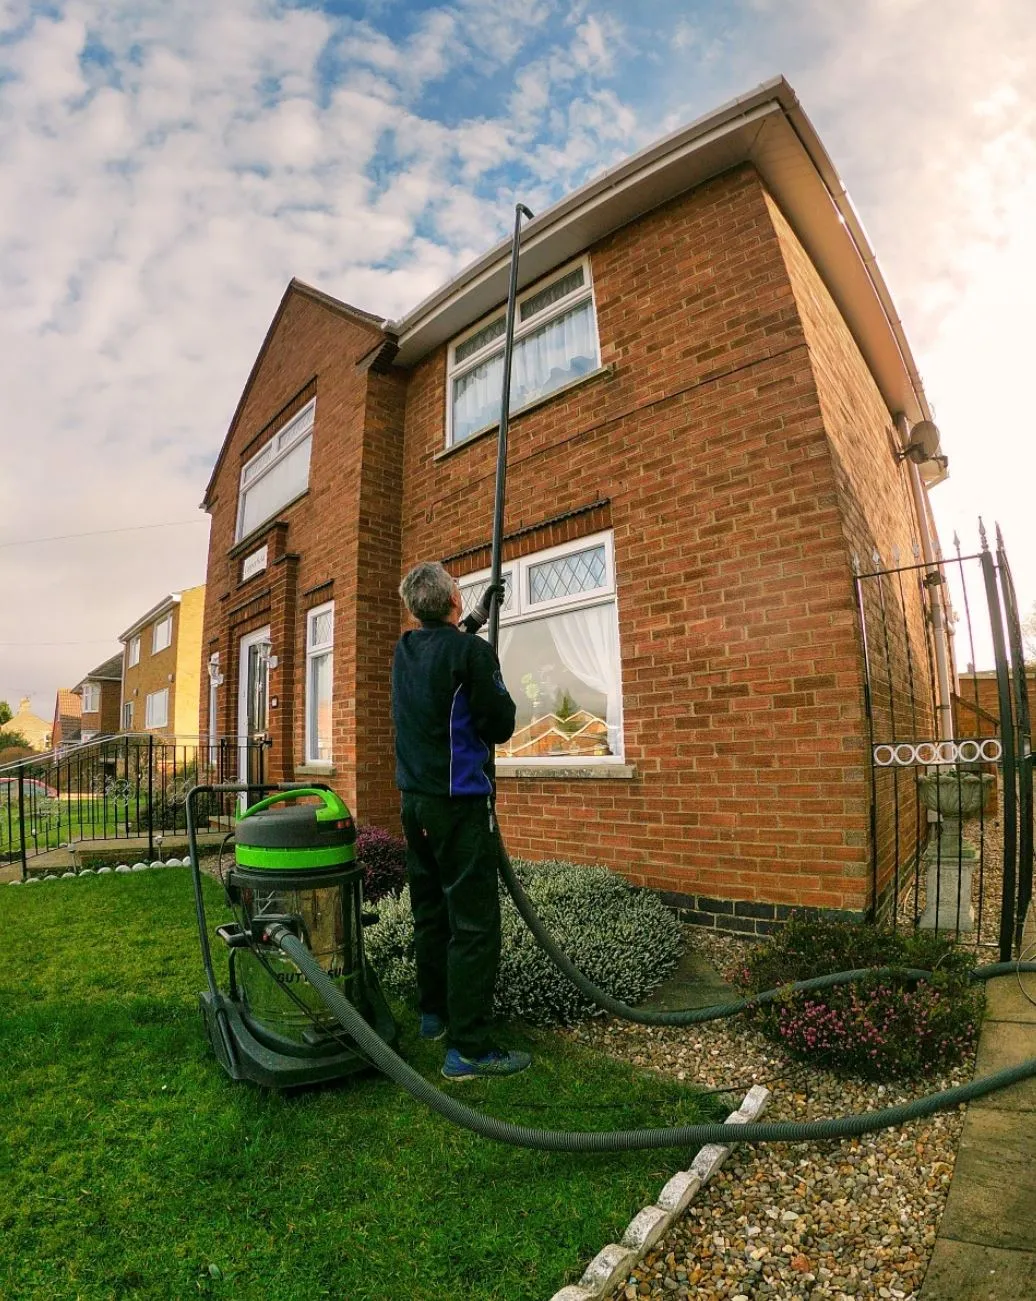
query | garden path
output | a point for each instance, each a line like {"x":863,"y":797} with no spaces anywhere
{"x":986,"y":1246}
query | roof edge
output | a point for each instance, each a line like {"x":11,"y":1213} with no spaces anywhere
{"x":166,"y":603}
{"x":295,"y":286}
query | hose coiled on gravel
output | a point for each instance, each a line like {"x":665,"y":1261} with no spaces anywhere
{"x":624,"y":1140}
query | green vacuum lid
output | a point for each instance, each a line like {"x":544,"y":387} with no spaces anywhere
{"x":299,"y":837}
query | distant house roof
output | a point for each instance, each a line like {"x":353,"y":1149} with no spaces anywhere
{"x":68,"y":713}
{"x":109,"y":671}
{"x":35,"y":730}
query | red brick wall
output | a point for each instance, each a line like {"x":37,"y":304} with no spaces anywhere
{"x":977,"y":708}
{"x":739,"y":659}
{"x":314,"y":547}
{"x":736,"y":484}
{"x":879,"y":526}
{"x":105,"y":720}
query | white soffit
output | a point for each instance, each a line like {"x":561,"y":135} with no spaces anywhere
{"x":766,"y":128}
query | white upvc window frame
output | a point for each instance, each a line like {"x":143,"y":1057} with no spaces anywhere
{"x":91,"y":697}
{"x":162,"y":627}
{"x":315,"y":651}
{"x":127,"y":715}
{"x":151,"y":723}
{"x":133,"y":652}
{"x":281,"y":443}
{"x":519,"y":607}
{"x":455,"y":369}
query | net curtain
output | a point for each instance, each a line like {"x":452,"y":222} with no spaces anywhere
{"x":561,"y":351}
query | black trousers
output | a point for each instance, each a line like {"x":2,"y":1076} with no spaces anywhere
{"x":452,"y":873}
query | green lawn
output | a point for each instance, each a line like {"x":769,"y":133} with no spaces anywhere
{"x":131,"y":1167}
{"x":52,"y":822}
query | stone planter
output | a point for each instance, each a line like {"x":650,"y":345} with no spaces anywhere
{"x":955,"y":796}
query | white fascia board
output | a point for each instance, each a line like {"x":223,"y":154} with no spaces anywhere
{"x":766,"y":128}
{"x":167,"y":603}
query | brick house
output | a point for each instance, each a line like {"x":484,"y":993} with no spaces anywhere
{"x":100,"y":693}
{"x":711,"y":393}
{"x":161,"y":667}
{"x":67,"y":727}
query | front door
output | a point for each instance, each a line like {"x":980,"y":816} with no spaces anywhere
{"x":252,"y":703}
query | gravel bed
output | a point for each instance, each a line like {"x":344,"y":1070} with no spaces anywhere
{"x":856,"y":1218}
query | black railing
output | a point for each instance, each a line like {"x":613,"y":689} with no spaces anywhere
{"x":951,"y":821}
{"x":124,"y":787}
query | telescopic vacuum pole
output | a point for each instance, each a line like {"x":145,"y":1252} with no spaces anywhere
{"x":501,"y":447}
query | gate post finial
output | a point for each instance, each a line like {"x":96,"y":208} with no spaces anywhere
{"x":982,"y":534}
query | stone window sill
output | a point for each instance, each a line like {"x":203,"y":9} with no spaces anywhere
{"x":566,"y":772}
{"x":315,"y":770}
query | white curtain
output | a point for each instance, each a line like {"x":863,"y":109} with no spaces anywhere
{"x":561,"y":351}
{"x":587,"y":643}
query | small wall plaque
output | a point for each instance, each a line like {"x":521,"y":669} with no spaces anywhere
{"x":254,"y":564}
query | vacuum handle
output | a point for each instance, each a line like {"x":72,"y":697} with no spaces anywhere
{"x":333,"y":811}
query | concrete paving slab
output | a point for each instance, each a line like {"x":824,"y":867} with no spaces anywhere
{"x":962,"y":1272}
{"x":1006,"y":998}
{"x":694,"y":983}
{"x":1007,"y":1043}
{"x":992,"y":1197}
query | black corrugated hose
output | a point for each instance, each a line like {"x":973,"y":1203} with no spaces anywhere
{"x":623,"y":1140}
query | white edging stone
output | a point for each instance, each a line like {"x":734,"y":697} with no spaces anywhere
{"x":616,"y":1260}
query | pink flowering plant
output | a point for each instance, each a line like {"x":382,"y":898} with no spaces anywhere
{"x":887,"y":1024}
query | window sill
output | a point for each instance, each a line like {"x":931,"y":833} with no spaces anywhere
{"x":315,"y":770}
{"x":566,"y":772}
{"x":479,"y":434}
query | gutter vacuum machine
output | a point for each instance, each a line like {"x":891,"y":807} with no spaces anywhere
{"x":303,"y":1007}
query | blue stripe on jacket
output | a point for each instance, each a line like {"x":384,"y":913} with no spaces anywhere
{"x":468,"y":753}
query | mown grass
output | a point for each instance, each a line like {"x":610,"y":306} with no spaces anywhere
{"x":131,"y":1167}
{"x":52,"y":821}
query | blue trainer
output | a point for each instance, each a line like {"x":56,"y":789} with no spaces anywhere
{"x":432,"y":1026}
{"x":494,"y":1063}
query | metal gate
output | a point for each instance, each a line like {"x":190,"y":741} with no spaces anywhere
{"x":951,"y":765}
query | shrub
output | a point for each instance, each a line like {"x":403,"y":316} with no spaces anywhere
{"x":624,"y":940}
{"x":880,"y":1027}
{"x":383,"y":858}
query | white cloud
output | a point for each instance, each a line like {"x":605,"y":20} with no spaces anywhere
{"x":167,"y":165}
{"x":166,"y":168}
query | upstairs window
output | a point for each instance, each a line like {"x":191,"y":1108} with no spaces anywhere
{"x":276,"y":475}
{"x":555,"y":341}
{"x":162,"y":634}
{"x":559,"y":651}
{"x":133,"y":652}
{"x":91,"y":698}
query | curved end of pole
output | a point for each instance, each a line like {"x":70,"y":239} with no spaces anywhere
{"x":527,"y":213}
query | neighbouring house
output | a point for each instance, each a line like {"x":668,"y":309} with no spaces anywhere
{"x":711,"y":398}
{"x":161,"y":667}
{"x":67,"y":727}
{"x":35,"y":729}
{"x":100,"y":693}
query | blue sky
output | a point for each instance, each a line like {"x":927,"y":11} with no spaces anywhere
{"x":167,"y":165}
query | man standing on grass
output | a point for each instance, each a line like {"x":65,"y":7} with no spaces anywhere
{"x":450,"y":707}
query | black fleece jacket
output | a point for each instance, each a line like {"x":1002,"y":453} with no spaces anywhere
{"x":450,"y":707}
